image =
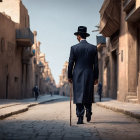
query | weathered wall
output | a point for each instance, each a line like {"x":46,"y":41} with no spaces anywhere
{"x":16,"y":75}
{"x":9,"y":56}
{"x":138,"y":88}
{"x":11,"y":8}
{"x":123,"y":59}
{"x":17,"y":11}
{"x":24,"y":17}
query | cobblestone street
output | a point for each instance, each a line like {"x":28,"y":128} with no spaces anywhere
{"x":50,"y":121}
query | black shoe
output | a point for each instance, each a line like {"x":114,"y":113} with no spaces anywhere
{"x":80,"y":120}
{"x":88,"y":115}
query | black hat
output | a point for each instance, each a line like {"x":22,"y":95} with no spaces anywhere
{"x":82,"y":30}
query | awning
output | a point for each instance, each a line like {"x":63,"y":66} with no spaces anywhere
{"x":110,"y":17}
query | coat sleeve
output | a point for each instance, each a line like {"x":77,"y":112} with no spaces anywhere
{"x":71,"y":64}
{"x":96,"y":69}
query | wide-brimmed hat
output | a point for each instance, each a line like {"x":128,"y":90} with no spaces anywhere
{"x":82,"y":30}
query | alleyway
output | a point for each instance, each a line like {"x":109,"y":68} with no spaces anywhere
{"x":50,"y":121}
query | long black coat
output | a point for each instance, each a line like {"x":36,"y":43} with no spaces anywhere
{"x":83,"y":70}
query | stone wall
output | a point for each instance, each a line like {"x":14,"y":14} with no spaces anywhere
{"x":124,"y":58}
{"x":20,"y":68}
{"x":64,"y":86}
{"x":12,"y":9}
{"x":9,"y":81}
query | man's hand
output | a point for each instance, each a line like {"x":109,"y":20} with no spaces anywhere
{"x":70,"y":80}
{"x":96,"y":82}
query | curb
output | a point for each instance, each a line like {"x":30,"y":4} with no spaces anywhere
{"x":10,"y":105}
{"x":13,"y":113}
{"x":24,"y":109}
{"x":126,"y":112}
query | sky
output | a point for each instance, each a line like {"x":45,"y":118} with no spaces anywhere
{"x":56,"y":21}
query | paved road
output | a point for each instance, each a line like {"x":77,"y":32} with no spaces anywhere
{"x":51,"y":122}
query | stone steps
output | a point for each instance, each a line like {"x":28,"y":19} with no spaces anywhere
{"x":132,"y":99}
{"x":135,"y":101}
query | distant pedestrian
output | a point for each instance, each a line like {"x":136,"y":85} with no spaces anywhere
{"x":51,"y":93}
{"x":36,"y":92}
{"x":100,"y":91}
{"x":83,"y":74}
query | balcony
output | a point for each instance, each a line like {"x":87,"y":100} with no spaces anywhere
{"x":27,"y":55}
{"x":110,"y":17}
{"x":41,"y":67}
{"x":40,"y":64}
{"x":24,"y":37}
{"x":132,"y":9}
{"x":33,"y":51}
{"x":100,"y":40}
{"x":127,"y":4}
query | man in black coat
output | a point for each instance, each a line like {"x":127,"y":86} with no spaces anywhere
{"x":36,"y":92}
{"x":83,"y":73}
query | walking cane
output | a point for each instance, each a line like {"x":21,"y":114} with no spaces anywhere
{"x":70,"y":102}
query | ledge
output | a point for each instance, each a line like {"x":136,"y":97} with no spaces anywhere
{"x":134,"y":15}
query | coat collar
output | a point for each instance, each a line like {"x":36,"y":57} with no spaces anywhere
{"x":83,"y":41}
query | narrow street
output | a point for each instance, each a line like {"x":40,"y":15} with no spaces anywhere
{"x":50,"y":121}
{"x":51,"y":50}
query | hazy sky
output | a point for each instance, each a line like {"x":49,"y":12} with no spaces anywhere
{"x":56,"y":21}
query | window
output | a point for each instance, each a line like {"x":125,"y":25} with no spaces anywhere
{"x":2,"y":45}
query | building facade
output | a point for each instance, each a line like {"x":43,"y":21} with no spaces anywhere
{"x":47,"y":82}
{"x":16,"y":41}
{"x":20,"y":67}
{"x":42,"y":76}
{"x":64,"y":87}
{"x":120,"y":24}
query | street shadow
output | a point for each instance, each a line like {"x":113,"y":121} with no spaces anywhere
{"x":111,"y":122}
{"x":49,"y":127}
{"x":34,"y":126}
{"x":45,"y":130}
{"x":53,"y":130}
